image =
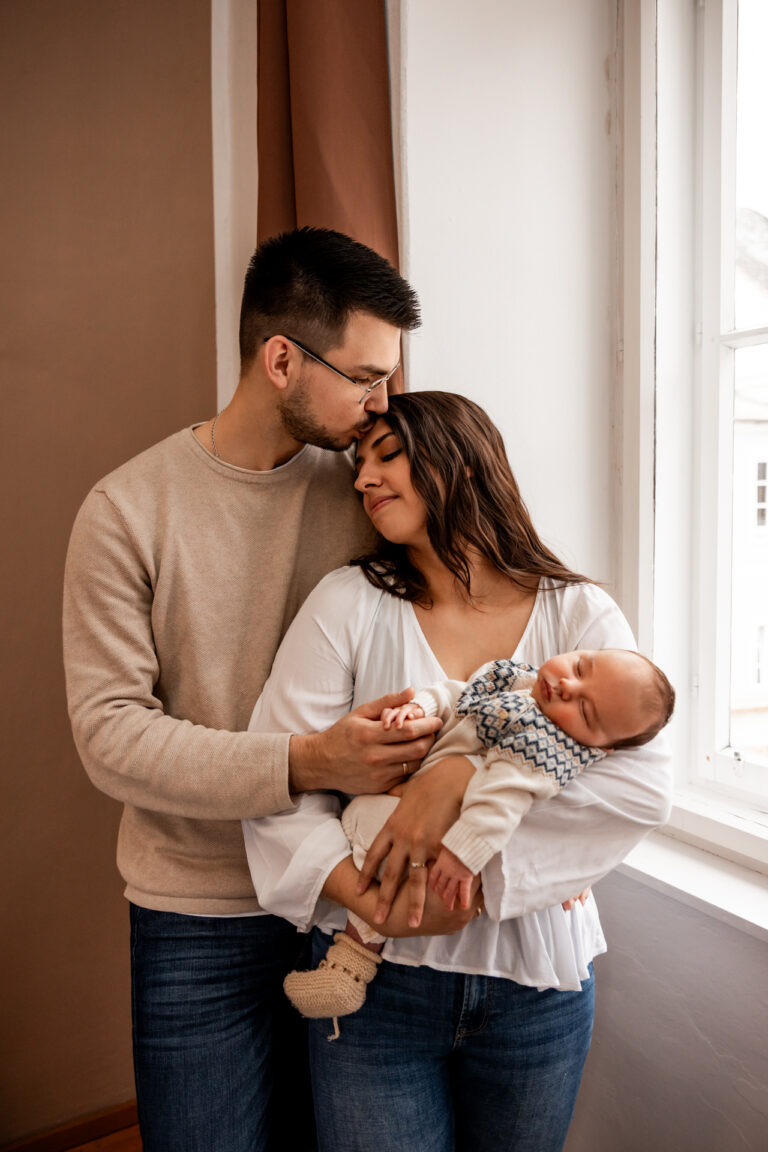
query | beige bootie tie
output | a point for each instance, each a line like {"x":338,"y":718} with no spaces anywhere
{"x":337,"y":986}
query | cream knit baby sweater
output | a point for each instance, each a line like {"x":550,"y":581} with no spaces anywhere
{"x":182,"y":575}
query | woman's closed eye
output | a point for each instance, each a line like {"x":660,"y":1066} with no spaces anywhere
{"x":382,"y":459}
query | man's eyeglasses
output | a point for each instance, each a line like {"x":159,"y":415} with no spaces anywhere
{"x":366,"y":388}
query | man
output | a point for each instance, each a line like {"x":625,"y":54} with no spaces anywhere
{"x":185,"y":567}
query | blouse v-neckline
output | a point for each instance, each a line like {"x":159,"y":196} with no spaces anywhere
{"x":427,"y":647}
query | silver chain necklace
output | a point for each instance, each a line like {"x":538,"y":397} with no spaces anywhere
{"x":213,"y":438}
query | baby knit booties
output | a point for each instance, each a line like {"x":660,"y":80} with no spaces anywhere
{"x":337,"y":986}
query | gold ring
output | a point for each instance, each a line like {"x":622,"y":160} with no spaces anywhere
{"x":405,"y":767}
{"x":415,"y":865}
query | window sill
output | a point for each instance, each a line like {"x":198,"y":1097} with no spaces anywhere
{"x":728,"y":891}
{"x":720,"y":826}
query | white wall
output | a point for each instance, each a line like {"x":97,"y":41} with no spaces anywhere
{"x":508,"y":215}
{"x":508,"y":220}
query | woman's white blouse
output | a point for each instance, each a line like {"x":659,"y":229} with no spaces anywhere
{"x":351,"y":643}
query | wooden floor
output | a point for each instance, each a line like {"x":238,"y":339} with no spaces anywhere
{"x":126,"y":1141}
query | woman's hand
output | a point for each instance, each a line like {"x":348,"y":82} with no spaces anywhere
{"x":340,"y":886}
{"x":435,"y":919}
{"x":411,"y":837}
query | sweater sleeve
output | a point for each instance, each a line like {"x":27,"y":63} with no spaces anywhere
{"x":130,"y":748}
{"x":497,"y":798}
{"x":439,"y":699}
{"x":572,"y":841}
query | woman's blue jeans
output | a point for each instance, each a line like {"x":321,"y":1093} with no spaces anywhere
{"x":437,"y":1061}
{"x":219,"y":1054}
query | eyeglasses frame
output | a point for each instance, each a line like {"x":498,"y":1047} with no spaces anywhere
{"x":366,"y":388}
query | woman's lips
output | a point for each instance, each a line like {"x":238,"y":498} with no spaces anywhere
{"x":378,"y":503}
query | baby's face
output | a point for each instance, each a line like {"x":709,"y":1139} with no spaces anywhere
{"x":594,"y":696}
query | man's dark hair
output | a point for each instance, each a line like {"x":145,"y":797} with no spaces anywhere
{"x":307,"y":283}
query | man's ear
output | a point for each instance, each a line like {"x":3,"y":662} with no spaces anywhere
{"x":278,"y":358}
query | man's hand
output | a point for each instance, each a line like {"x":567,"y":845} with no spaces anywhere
{"x":357,"y":755}
{"x":430,"y":804}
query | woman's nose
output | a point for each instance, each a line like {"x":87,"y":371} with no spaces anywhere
{"x":365,"y":479}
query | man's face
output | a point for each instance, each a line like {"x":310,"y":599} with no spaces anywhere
{"x":324,"y":409}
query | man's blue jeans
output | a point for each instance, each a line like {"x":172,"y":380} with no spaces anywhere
{"x":219,"y":1054}
{"x":438,"y":1061}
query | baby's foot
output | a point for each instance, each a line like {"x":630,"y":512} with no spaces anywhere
{"x":337,"y":986}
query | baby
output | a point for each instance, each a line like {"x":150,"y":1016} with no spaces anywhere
{"x":527,"y":733}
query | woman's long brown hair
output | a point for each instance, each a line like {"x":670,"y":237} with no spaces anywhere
{"x":460,"y":470}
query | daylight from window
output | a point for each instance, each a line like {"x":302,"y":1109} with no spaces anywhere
{"x":749,"y":634}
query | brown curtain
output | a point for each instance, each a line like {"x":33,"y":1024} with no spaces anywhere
{"x":324,"y":127}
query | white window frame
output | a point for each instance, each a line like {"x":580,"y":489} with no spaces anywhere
{"x":662,"y":47}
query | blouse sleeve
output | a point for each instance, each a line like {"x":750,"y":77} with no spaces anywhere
{"x":568,"y":843}
{"x":291,"y":854}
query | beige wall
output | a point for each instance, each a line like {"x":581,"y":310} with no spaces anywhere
{"x":106,"y":345}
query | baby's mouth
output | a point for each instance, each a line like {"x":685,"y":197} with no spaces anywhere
{"x":546,"y":690}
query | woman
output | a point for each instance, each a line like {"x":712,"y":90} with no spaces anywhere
{"x":479,"y":1038}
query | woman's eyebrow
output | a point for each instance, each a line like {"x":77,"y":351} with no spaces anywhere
{"x":359,"y":459}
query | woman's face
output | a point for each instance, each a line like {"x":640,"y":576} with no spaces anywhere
{"x":384,"y":478}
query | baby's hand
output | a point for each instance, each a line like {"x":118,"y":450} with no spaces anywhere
{"x":450,"y":878}
{"x":398,"y":716}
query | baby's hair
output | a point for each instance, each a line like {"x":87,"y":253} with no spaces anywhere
{"x":657,"y":698}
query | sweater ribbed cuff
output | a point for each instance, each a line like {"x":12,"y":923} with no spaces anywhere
{"x":426,"y":702}
{"x":471,"y":849}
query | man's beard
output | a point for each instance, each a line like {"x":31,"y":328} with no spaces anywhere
{"x":299,"y":422}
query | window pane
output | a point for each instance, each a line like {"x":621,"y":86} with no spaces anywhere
{"x":749,"y":636}
{"x":751,"y":279}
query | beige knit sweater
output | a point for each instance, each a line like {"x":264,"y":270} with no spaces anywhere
{"x":182,"y":576}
